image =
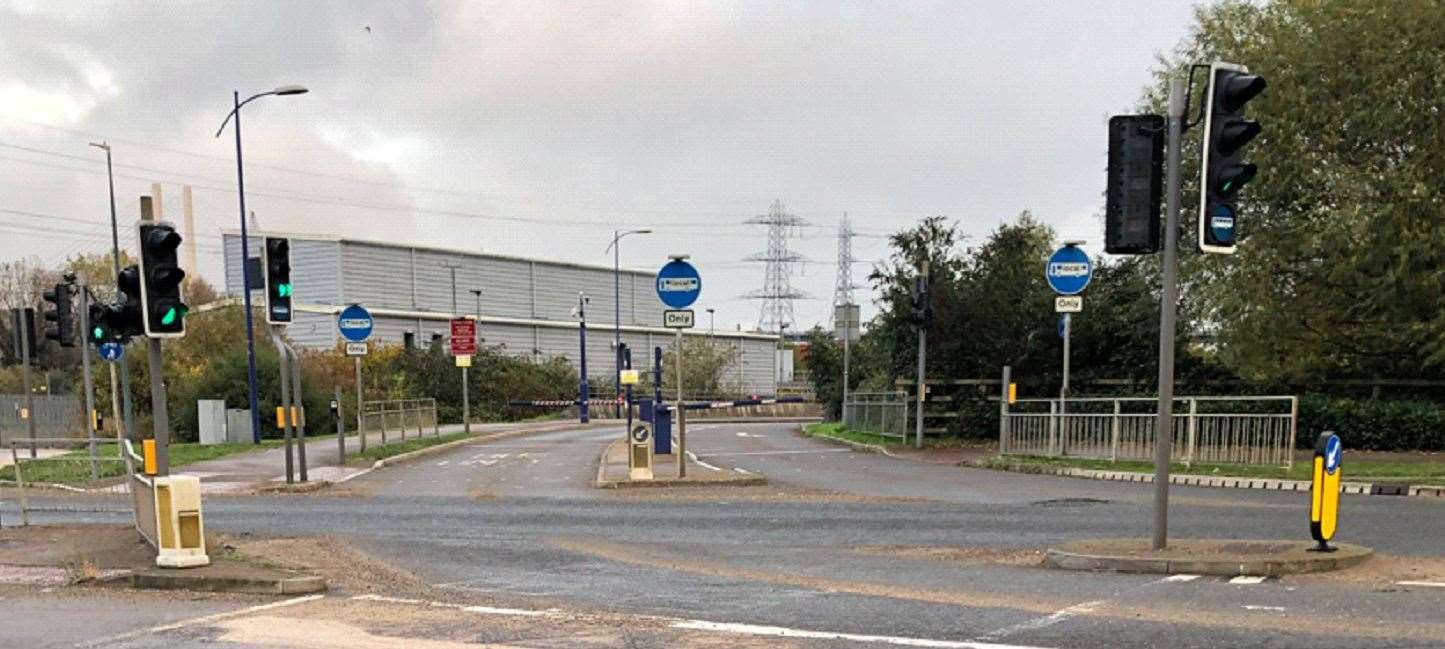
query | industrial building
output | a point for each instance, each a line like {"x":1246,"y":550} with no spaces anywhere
{"x":525,"y":305}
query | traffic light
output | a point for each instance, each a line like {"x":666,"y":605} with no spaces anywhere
{"x":163,"y":314}
{"x":921,"y":309}
{"x":277,"y":263}
{"x":107,"y":324}
{"x":1131,"y":204}
{"x":1222,"y":169}
{"x":126,"y":315}
{"x":60,"y":312}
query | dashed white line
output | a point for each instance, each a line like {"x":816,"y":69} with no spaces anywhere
{"x":1181,"y":578}
{"x":1047,"y":620}
{"x":1273,"y":609}
{"x":1422,"y":584}
{"x":1247,"y":580}
{"x":785,"y":632}
{"x":798,"y":452}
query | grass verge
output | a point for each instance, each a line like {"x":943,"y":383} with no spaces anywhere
{"x":378,"y":452}
{"x":836,"y":430}
{"x":73,"y":467}
{"x":1364,"y":471}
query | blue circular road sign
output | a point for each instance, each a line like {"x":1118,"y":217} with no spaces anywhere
{"x":111,"y":351}
{"x":355,"y":323}
{"x":1333,"y":451}
{"x":1221,"y":224}
{"x":678,"y":284}
{"x":1069,"y":270}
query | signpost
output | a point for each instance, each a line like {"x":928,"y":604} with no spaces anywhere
{"x":355,"y":324}
{"x":463,"y":347}
{"x":1068,"y":273}
{"x":846,"y":326}
{"x":678,"y":286}
{"x":1325,"y":490}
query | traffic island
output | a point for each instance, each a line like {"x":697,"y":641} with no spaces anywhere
{"x":613,"y":472}
{"x":1204,"y":557}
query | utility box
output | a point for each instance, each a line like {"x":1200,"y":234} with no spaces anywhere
{"x":211,"y":421}
{"x":180,"y":530}
{"x":657,"y":414}
{"x":639,"y":452}
{"x":238,"y":426}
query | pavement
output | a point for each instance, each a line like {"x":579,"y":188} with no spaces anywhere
{"x":614,"y":471}
{"x":505,"y":543}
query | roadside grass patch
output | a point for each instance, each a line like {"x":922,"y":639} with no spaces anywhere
{"x":73,"y":468}
{"x":379,"y":452}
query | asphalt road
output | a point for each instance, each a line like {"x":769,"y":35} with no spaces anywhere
{"x":903,"y":552}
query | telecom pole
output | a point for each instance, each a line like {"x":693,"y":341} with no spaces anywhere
{"x":1168,"y":307}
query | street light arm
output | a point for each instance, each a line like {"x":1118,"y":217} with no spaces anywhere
{"x":248,"y":100}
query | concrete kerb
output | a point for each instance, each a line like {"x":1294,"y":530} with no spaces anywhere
{"x":1225,"y":482}
{"x":224,"y":582}
{"x":1204,"y":557}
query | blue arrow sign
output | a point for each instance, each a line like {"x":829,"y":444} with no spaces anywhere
{"x":678,"y":284}
{"x":111,"y":351}
{"x":355,"y":323}
{"x":1069,"y":270}
{"x":1333,"y":451}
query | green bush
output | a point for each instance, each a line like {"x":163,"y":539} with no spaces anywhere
{"x":1373,"y":424}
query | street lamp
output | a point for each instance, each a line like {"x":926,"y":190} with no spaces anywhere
{"x":119,"y":394}
{"x":246,"y":248}
{"x":617,"y":308}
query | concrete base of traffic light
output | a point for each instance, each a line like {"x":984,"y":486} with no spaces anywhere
{"x":1226,"y":558}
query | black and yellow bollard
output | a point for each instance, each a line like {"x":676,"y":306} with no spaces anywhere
{"x":1325,"y":490}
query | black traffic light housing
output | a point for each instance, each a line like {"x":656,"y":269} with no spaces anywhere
{"x":106,"y":324}
{"x":61,"y":313}
{"x":276,"y":261}
{"x":1223,"y":171}
{"x":1135,"y":186}
{"x":163,"y":313}
{"x":921,"y":307}
{"x":126,"y":313}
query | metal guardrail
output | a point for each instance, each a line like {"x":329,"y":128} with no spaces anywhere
{"x":399,"y":415}
{"x":881,"y":413}
{"x":1218,"y":430}
{"x":22,"y":485}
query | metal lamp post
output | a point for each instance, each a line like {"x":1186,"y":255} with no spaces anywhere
{"x":617,"y":308}
{"x":246,"y":248}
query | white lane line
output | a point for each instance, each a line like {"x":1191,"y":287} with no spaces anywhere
{"x":1247,"y":580}
{"x":204,"y":619}
{"x":1423,"y":584}
{"x":693,"y":456}
{"x":799,"y":452}
{"x":1181,"y":578}
{"x":742,"y":470}
{"x":1274,"y":609}
{"x":785,"y":632}
{"x":484,"y":610}
{"x":1048,"y":620}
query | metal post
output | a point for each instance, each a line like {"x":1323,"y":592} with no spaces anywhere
{"x":246,"y":285}
{"x":847,"y":333}
{"x":285,"y":402}
{"x":1114,"y":435}
{"x":582,"y":414}
{"x":466,"y":398}
{"x":161,"y":423}
{"x":1164,"y":424}
{"x":1193,"y":433}
{"x":627,"y":365}
{"x":298,"y":405}
{"x":681,"y":415}
{"x":617,"y":313}
{"x":360,"y":427}
{"x":27,"y":325}
{"x":1064,"y":390}
{"x":119,"y":391}
{"x":1003,"y":411}
{"x":922,"y":357}
{"x":340,"y":427}
{"x":1053,"y":426}
{"x":89,"y":379}
{"x":20,"y":485}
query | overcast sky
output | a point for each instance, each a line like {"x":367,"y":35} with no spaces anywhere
{"x":535,"y":129}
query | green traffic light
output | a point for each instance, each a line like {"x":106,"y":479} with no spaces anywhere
{"x":283,"y":290}
{"x":170,"y":317}
{"x":97,"y":333}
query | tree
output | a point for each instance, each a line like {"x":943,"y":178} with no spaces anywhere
{"x":1341,"y":261}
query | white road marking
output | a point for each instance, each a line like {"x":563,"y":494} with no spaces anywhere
{"x":785,"y":632}
{"x":1247,"y":580}
{"x":742,"y":470}
{"x":796,"y":452}
{"x":1276,"y":609}
{"x":1423,"y":584}
{"x":1047,"y":620}
{"x":693,"y":456}
{"x":484,"y":610}
{"x":443,"y":462}
{"x":204,"y":619}
{"x":1181,"y":578}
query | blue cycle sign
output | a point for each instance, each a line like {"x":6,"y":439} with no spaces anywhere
{"x":111,"y":351}
{"x":355,"y":323}
{"x":1069,"y":270}
{"x":678,"y":284}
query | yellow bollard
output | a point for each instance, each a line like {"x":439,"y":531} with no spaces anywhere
{"x":148,"y":450}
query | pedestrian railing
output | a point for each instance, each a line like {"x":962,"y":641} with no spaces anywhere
{"x":46,"y":458}
{"x":395,"y":418}
{"x":1216,"y":430}
{"x":880,"y":413}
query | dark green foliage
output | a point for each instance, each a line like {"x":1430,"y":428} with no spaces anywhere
{"x":1374,"y":425}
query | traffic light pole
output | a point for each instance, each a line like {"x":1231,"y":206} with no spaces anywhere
{"x":161,"y":428}
{"x":297,"y":408}
{"x":27,"y":325}
{"x":1168,"y":311}
{"x":89,"y":380}
{"x":922,"y":359}
{"x":285,"y":417}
